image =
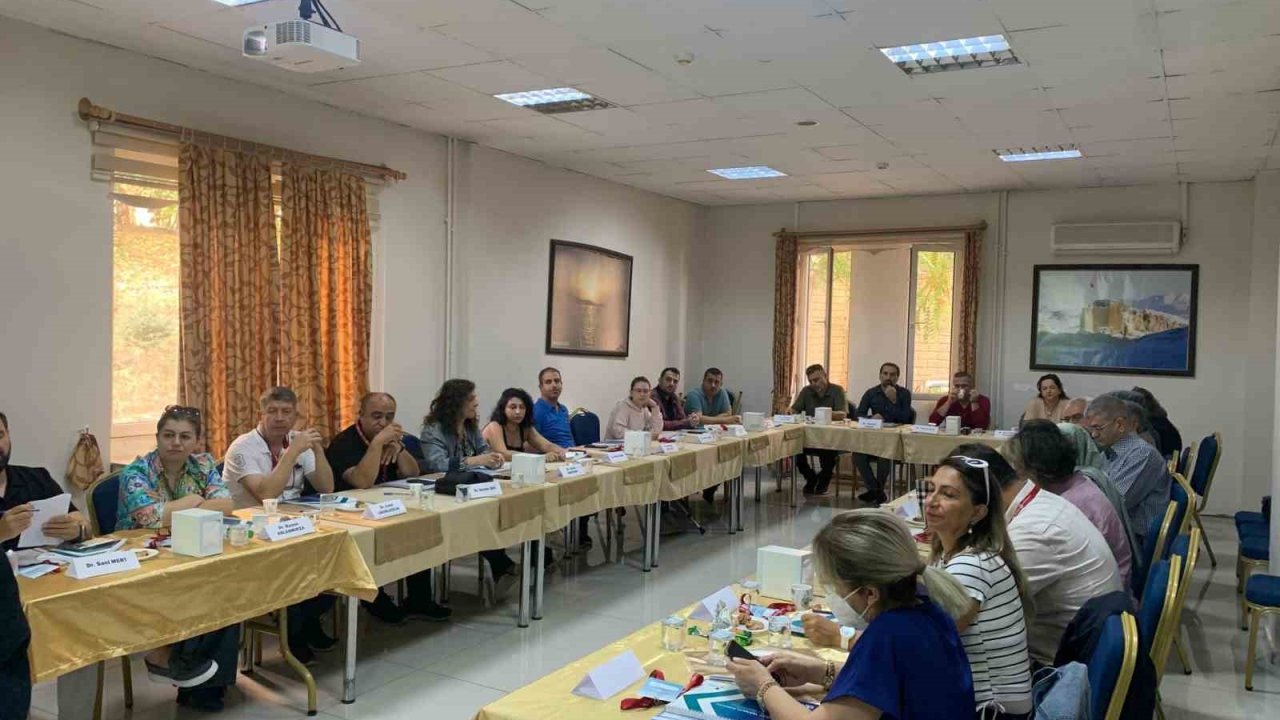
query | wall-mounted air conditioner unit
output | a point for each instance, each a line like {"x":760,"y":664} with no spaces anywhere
{"x":1124,"y":238}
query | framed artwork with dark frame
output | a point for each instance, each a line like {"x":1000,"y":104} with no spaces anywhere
{"x":1127,"y":319}
{"x":588,"y":301}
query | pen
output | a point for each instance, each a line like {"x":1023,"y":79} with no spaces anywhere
{"x":393,"y":492}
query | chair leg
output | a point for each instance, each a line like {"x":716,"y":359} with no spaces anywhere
{"x":1253,"y":648}
{"x":1247,"y":570}
{"x":293,"y":662}
{"x":126,"y":673}
{"x":1182,"y":654}
{"x":1213,"y":559}
{"x":257,"y":648}
{"x":97,"y":700}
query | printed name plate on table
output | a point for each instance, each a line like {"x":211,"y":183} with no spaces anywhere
{"x":870,"y":423}
{"x":42,"y":511}
{"x":706,"y":609}
{"x":784,"y":419}
{"x":616,"y":458}
{"x":83,"y":568}
{"x":572,"y":470}
{"x":1006,"y":434}
{"x":291,"y":528}
{"x":925,"y":429}
{"x":477,"y":491}
{"x":669,"y":447}
{"x":610,"y":677}
{"x":735,"y":430}
{"x":704,"y":438}
{"x":384,"y":509}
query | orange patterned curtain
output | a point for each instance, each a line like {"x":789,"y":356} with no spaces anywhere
{"x":327,"y":293}
{"x":967,"y":357}
{"x":784,"y":320}
{"x":229,"y":274}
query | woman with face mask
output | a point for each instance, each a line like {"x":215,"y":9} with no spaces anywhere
{"x":907,"y":661}
{"x":964,"y":511}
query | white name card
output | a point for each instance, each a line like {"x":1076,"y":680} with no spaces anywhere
{"x":706,"y":609}
{"x":925,"y":429}
{"x":83,"y":568}
{"x":768,"y":423}
{"x":291,"y":528}
{"x":1005,"y":433}
{"x":572,"y":470}
{"x":668,"y":448}
{"x":784,"y":419}
{"x":736,"y":430}
{"x":705,"y":438}
{"x":384,"y":509}
{"x":477,"y":491}
{"x":870,"y":423}
{"x":616,"y":458}
{"x":610,"y":677}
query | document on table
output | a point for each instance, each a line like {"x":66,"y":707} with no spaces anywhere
{"x":42,"y":512}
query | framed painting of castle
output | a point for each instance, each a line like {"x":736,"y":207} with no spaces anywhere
{"x":1125,"y":319}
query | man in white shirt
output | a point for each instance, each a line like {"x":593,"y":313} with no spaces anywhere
{"x":1065,"y":559}
{"x":272,"y":461}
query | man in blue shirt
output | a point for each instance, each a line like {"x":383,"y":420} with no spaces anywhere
{"x":551,"y":419}
{"x":711,"y":401}
{"x":890,"y":402}
{"x":1138,"y":470}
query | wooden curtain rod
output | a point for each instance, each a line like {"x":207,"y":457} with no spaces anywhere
{"x":885,"y":231}
{"x":88,"y":111}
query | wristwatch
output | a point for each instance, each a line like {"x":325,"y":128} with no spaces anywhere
{"x":846,"y":637}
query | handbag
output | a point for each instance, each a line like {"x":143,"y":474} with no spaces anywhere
{"x":448,"y":485}
{"x":85,"y":464}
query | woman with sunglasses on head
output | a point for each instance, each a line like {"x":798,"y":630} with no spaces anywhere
{"x":970,"y":540}
{"x":170,"y":478}
{"x":907,"y":661}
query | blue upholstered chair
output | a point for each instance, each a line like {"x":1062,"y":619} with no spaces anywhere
{"x":1262,"y":597}
{"x":1111,"y":666}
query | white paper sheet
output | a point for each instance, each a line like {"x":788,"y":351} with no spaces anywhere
{"x":610,"y":677}
{"x":44,"y":511}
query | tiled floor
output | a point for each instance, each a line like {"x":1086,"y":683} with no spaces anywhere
{"x":449,"y":671}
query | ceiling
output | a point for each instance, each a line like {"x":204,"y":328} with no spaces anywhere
{"x":1151,"y":90}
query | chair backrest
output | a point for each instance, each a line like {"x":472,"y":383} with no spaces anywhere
{"x":1182,"y":460}
{"x":1206,"y":464}
{"x":1167,"y":626}
{"x":102,"y":500}
{"x":1168,"y":526}
{"x":1180,"y":494}
{"x":1158,"y":600}
{"x":585,"y":428}
{"x":1187,"y":549}
{"x":1111,"y":666}
{"x":735,"y":402}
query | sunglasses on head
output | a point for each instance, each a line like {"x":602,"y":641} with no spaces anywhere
{"x":181,"y":411}
{"x":986,"y":472}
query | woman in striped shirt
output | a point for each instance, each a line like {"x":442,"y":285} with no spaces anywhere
{"x":970,"y":540}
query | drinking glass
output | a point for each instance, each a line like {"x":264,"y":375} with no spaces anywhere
{"x":717,"y":645}
{"x":271,"y":506}
{"x":673,"y":633}
{"x":329,"y":503}
{"x":780,"y":631}
{"x":239,"y":535}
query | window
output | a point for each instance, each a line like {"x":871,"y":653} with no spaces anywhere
{"x":145,"y":316}
{"x":880,"y":300}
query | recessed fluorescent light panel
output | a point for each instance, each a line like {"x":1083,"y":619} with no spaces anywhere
{"x":555,"y":100}
{"x":1053,"y":152}
{"x":238,"y":3}
{"x":961,"y":54}
{"x":747,"y":173}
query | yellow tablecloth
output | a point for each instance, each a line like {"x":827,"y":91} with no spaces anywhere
{"x":551,"y":697}
{"x":75,"y":623}
{"x":924,"y":449}
{"x":712,"y":464}
{"x":770,"y":446}
{"x":613,"y":492}
{"x":885,"y":442}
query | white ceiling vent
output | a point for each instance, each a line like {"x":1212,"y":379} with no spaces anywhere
{"x":1126,"y":238}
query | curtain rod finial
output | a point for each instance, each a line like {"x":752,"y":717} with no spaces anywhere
{"x":88,"y":111}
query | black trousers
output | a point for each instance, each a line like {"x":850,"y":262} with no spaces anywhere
{"x":15,"y":686}
{"x":875,"y":480}
{"x":817,"y":482}
{"x":221,"y":646}
{"x":308,"y":612}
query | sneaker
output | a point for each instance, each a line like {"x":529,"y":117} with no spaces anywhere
{"x":316,"y":638}
{"x":868,"y":497}
{"x":385,"y":609}
{"x":429,"y":610}
{"x":585,"y":543}
{"x":299,"y":650}
{"x":182,"y":677}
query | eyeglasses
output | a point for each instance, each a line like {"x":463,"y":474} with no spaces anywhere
{"x":181,"y":411}
{"x":1093,"y":430}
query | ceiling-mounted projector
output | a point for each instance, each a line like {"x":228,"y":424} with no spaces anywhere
{"x":302,"y":45}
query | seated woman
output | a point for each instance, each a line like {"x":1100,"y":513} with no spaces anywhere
{"x":1049,"y":402}
{"x":638,"y":412}
{"x":510,"y":429}
{"x":170,"y":478}
{"x":1042,"y":453}
{"x":970,"y":541}
{"x":451,"y":442}
{"x":907,"y":661}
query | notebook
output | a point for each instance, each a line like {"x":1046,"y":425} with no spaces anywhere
{"x":716,"y":700}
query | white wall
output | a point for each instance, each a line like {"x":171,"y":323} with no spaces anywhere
{"x":1235,"y":377}
{"x":512,"y":208}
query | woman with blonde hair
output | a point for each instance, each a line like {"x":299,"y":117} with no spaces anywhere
{"x":964,"y":509}
{"x":907,"y":660}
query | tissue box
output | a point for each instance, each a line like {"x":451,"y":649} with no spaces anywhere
{"x":778,"y":568}
{"x":822,"y":416}
{"x":528,"y":469}
{"x":636,"y":443}
{"x":753,"y":422}
{"x":197,"y":533}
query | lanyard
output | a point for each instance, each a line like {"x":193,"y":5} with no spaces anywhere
{"x":275,"y":459}
{"x":1025,"y":502}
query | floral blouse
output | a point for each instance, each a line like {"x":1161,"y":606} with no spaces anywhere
{"x":144,"y":492}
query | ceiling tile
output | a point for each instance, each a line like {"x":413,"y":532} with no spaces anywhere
{"x":492,"y":78}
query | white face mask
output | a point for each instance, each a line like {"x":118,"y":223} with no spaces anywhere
{"x":844,"y":612}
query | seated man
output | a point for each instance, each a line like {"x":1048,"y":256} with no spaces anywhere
{"x":819,"y":393}
{"x":551,"y":420}
{"x":274,"y":461}
{"x":890,"y":402}
{"x":19,"y":486}
{"x":369,"y":452}
{"x":170,"y":478}
{"x":711,"y":403}
{"x":1136,"y":467}
{"x":638,"y":412}
{"x":964,"y":401}
{"x":1073,"y":411}
{"x":1065,"y":559}
{"x":672,"y":404}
